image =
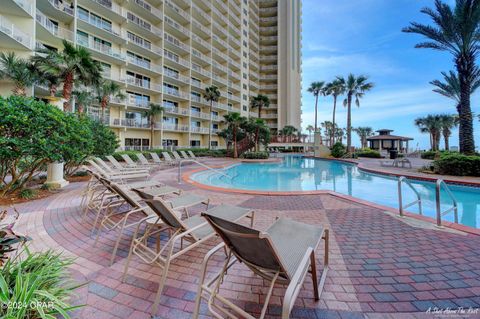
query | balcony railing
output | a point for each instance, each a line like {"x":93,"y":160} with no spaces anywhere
{"x":175,"y":127}
{"x":173,"y":40}
{"x":144,"y":24}
{"x":176,"y":76}
{"x":196,"y":129}
{"x":176,"y":110}
{"x":133,"y":101}
{"x":201,"y":56}
{"x":148,"y":7}
{"x":129,"y":123}
{"x":143,"y":84}
{"x":177,"y":93}
{"x":12,"y":31}
{"x":96,"y":22}
{"x":143,"y":43}
{"x":198,"y":25}
{"x":110,"y":6}
{"x":100,"y":47}
{"x":200,"y":70}
{"x":177,"y":9}
{"x":201,"y":115}
{"x":26,"y":5}
{"x":177,"y":26}
{"x":52,"y":28}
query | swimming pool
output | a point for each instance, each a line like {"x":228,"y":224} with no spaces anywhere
{"x":297,"y":173}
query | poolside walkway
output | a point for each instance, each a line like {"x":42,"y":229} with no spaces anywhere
{"x":381,"y":266}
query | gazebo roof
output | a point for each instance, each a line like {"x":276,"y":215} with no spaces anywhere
{"x":389,"y":137}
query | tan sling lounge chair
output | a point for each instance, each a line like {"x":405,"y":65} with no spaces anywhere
{"x":283,"y":254}
{"x":194,"y":230}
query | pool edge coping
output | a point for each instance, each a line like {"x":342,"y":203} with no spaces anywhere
{"x":463,"y":228}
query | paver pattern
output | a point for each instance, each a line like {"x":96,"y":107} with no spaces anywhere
{"x":380,"y":266}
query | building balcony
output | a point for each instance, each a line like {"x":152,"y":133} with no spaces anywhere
{"x":269,"y":115}
{"x":235,"y":19}
{"x":143,"y":66}
{"x":221,"y":80}
{"x":175,"y":93}
{"x":21,"y":8}
{"x":268,"y":48}
{"x":176,"y":28}
{"x":200,"y":14}
{"x":174,"y":127}
{"x":234,"y":98}
{"x":233,"y":86}
{"x":268,"y":58}
{"x":199,"y":130}
{"x":200,"y":115}
{"x":220,"y":16}
{"x":267,"y":87}
{"x":221,"y":5}
{"x":47,"y":29}
{"x":139,"y":26}
{"x":200,"y":56}
{"x":268,"y":30}
{"x":12,"y":37}
{"x":173,"y":10}
{"x":105,"y":8}
{"x":268,"y":39}
{"x":62,"y":11}
{"x":268,"y":77}
{"x":133,"y":101}
{"x":200,"y":71}
{"x":222,"y":106}
{"x":176,"y":110}
{"x":176,"y":78}
{"x":219,"y":41}
{"x":234,"y":75}
{"x":144,"y":86}
{"x":102,"y":51}
{"x":268,"y":67}
{"x":145,"y":9}
{"x":219,"y":29}
{"x":132,"y":123}
{"x":200,"y":43}
{"x":91,"y":24}
{"x":220,"y":54}
{"x":218,"y":67}
{"x":176,"y":61}
{"x":143,"y":47}
{"x":267,"y":12}
{"x":234,"y":64}
{"x":272,"y":125}
{"x":201,"y":29}
{"x":198,"y":85}
{"x":234,"y":42}
{"x":267,"y":21}
{"x":175,"y":43}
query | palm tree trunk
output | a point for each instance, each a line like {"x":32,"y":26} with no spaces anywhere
{"x":431,"y":142}
{"x":465,"y":65}
{"x":332,"y":136}
{"x":19,"y":90}
{"x":53,"y":90}
{"x":349,"y":123}
{"x":259,"y":111}
{"x":67,"y":91}
{"x":235,"y":142}
{"x":210,"y":127}
{"x":316,"y":111}
{"x":152,"y":127}
{"x":446,"y":137}
{"x":256,"y":139}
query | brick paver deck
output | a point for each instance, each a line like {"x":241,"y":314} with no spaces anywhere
{"x":380,"y":265}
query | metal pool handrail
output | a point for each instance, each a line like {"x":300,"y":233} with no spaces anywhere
{"x":401,"y":207}
{"x":438,"y":186}
{"x":201,"y":164}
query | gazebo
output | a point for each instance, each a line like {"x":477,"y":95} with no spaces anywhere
{"x":386,"y":141}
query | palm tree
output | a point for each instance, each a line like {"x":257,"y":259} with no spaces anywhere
{"x":20,"y":71}
{"x":310,"y":129}
{"x":212,"y":94}
{"x":355,"y":88}
{"x":448,"y":122}
{"x":72,"y":65}
{"x":106,"y":90}
{"x":339,"y":134}
{"x":316,"y":88}
{"x":150,"y":114}
{"x":234,"y":121}
{"x":335,"y":89}
{"x":329,"y":131}
{"x":456,"y":31}
{"x":363,"y":132}
{"x":260,"y":101}
{"x":432,"y":125}
{"x":288,"y":131}
{"x":83,"y":99}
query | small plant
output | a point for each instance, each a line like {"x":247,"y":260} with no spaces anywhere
{"x":255,"y":155}
{"x":28,"y":193}
{"x":368,"y":153}
{"x":37,"y":285}
{"x":457,"y":164}
{"x":80,"y":173}
{"x":338,"y":150}
{"x":47,"y":187}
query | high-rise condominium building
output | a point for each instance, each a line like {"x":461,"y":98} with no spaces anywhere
{"x":167,"y":52}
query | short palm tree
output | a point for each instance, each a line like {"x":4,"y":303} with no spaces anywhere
{"x":355,"y":88}
{"x":450,"y":86}
{"x":363,"y":132}
{"x":316,"y":88}
{"x":212,"y":94}
{"x":106,"y":90}
{"x":20,"y":71}
{"x":73,"y":65}
{"x":329,"y":131}
{"x":235,"y":121}
{"x":456,"y":31}
{"x":310,"y":129}
{"x":448,"y":122}
{"x":335,"y":89}
{"x":153,"y":111}
{"x":288,"y":131}
{"x":431,"y":124}
{"x":83,"y":100}
{"x":260,"y":101}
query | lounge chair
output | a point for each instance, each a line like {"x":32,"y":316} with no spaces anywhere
{"x":119,"y":166}
{"x":185,"y":156}
{"x":157,"y":159}
{"x":144,"y":161}
{"x":119,"y":176}
{"x":194,"y":230}
{"x":168,"y":158}
{"x":110,"y":220}
{"x":132,"y":163}
{"x":177,"y":156}
{"x":114,"y":170}
{"x":192,"y":155}
{"x":283,"y":254}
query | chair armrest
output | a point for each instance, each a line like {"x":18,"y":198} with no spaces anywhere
{"x":296,"y":282}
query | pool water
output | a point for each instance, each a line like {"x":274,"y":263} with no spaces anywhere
{"x":297,"y":173}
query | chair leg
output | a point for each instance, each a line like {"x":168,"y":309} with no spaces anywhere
{"x":313,"y":262}
{"x":163,"y":279}
{"x":130,"y":253}
{"x":117,"y":243}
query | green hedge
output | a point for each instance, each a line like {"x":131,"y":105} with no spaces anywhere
{"x":457,"y":164}
{"x":338,"y":150}
{"x":429,"y":155}
{"x":368,"y":153}
{"x":255,"y":155}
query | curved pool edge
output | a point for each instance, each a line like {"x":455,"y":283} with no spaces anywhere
{"x":463,"y":228}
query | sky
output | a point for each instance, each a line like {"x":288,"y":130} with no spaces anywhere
{"x":364,"y":37}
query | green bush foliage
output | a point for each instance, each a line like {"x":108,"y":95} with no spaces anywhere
{"x":28,"y":193}
{"x":429,"y":155}
{"x":368,"y":153}
{"x":33,"y":134}
{"x":199,"y":152}
{"x":39,"y":283}
{"x":338,"y":150}
{"x":255,"y":155}
{"x":457,"y":164}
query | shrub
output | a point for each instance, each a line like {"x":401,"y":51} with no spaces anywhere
{"x":255,"y":155}
{"x":28,"y":193}
{"x":429,"y":155}
{"x":368,"y":153}
{"x":132,"y":154}
{"x":338,"y":150}
{"x":457,"y":164}
{"x":47,"y":187}
{"x":40,"y":282}
{"x":80,"y":173}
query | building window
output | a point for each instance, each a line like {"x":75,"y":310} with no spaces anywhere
{"x":214,"y":143}
{"x":139,"y":40}
{"x":138,"y":79}
{"x":170,"y":120}
{"x":244,"y":86}
{"x":169,"y":143}
{"x":169,"y":104}
{"x":195,"y":124}
{"x":138,"y":99}
{"x":137,"y":144}
{"x":244,"y":54}
{"x":195,"y":143}
{"x":244,"y":75}
{"x":245,"y":108}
